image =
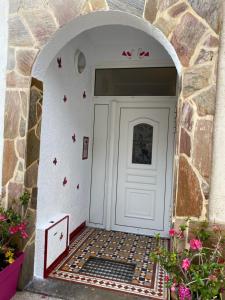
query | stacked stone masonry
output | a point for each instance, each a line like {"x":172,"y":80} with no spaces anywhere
{"x":192,"y":26}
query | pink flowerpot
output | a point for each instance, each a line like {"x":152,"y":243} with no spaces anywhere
{"x":9,"y":278}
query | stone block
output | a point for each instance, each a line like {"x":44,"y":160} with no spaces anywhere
{"x":33,"y":203}
{"x":185,"y":142}
{"x":103,"y":5}
{"x":12,"y":114}
{"x":11,"y":61}
{"x":205,"y":189}
{"x":41,"y":24}
{"x":189,"y":196}
{"x":24,"y":103}
{"x":38,"y":112}
{"x":9,"y":161}
{"x":15,"y":80}
{"x":35,"y":96}
{"x":33,"y":147}
{"x":195,"y":79}
{"x":151,"y":10}
{"x":15,"y":190}
{"x":185,"y":37}
{"x":38,"y":130}
{"x":164,"y":4}
{"x":20,"y":147}
{"x":65,"y":10}
{"x":165,"y":26}
{"x":206,"y":101}
{"x":33,"y":4}
{"x":187,"y":116}
{"x":205,"y":56}
{"x":18,"y":34}
{"x":202,"y":147}
{"x":24,"y":60}
{"x":130,"y":6}
{"x":178,"y":9}
{"x":209,"y":10}
{"x":23,"y":125}
{"x":14,"y":6}
{"x":211,"y":41}
{"x":31,"y":176}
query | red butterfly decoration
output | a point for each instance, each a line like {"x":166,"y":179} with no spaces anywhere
{"x":55,"y":161}
{"x":65,"y":181}
{"x":78,"y":186}
{"x":64,"y":98}
{"x":142,"y":53}
{"x":74,"y":138}
{"x":59,"y":61}
{"x":127,"y":53}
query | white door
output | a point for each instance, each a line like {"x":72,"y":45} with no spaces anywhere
{"x":142,"y":163}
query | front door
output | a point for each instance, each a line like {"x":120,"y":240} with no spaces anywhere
{"x":142,"y":165}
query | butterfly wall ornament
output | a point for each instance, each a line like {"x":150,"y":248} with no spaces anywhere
{"x":65,"y":181}
{"x":59,"y":61}
{"x":78,"y":187}
{"x":84,"y":95}
{"x":140,"y":53}
{"x":128,"y":53}
{"x":143,"y":53}
{"x":74,"y":138}
{"x":55,"y":161}
{"x":64,"y":98}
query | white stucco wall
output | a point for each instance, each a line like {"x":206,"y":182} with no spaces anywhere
{"x":60,"y":120}
{"x":4,"y":6}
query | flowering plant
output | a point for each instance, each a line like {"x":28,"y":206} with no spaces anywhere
{"x":13,"y":227}
{"x":196,"y":271}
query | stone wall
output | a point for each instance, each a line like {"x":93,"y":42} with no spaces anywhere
{"x":192,"y":26}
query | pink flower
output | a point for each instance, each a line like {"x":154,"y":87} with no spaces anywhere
{"x":195,"y":244}
{"x":22,"y":227}
{"x":184,"y":293}
{"x":167,"y":278}
{"x":24,"y":234}
{"x":172,"y":232}
{"x":2,"y":218}
{"x":13,"y":229}
{"x":186,"y":264}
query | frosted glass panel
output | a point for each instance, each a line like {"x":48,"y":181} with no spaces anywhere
{"x":142,"y":144}
{"x":136,"y":82}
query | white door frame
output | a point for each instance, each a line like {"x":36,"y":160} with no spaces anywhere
{"x":115,"y":104}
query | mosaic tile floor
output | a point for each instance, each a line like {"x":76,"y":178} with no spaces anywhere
{"x":147,"y":278}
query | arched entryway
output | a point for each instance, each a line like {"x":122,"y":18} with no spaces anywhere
{"x":84,"y":102}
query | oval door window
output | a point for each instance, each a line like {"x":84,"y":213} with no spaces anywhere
{"x":142,"y":144}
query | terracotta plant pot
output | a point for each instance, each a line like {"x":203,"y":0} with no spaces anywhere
{"x":9,"y":278}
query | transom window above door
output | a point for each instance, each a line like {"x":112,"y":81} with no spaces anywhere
{"x":154,"y":81}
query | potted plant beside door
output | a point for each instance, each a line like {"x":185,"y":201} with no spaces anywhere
{"x":12,"y":231}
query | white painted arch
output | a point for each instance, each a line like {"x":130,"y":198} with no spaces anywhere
{"x":97,"y":19}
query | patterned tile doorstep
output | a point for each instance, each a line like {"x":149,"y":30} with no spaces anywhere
{"x":148,"y":278}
